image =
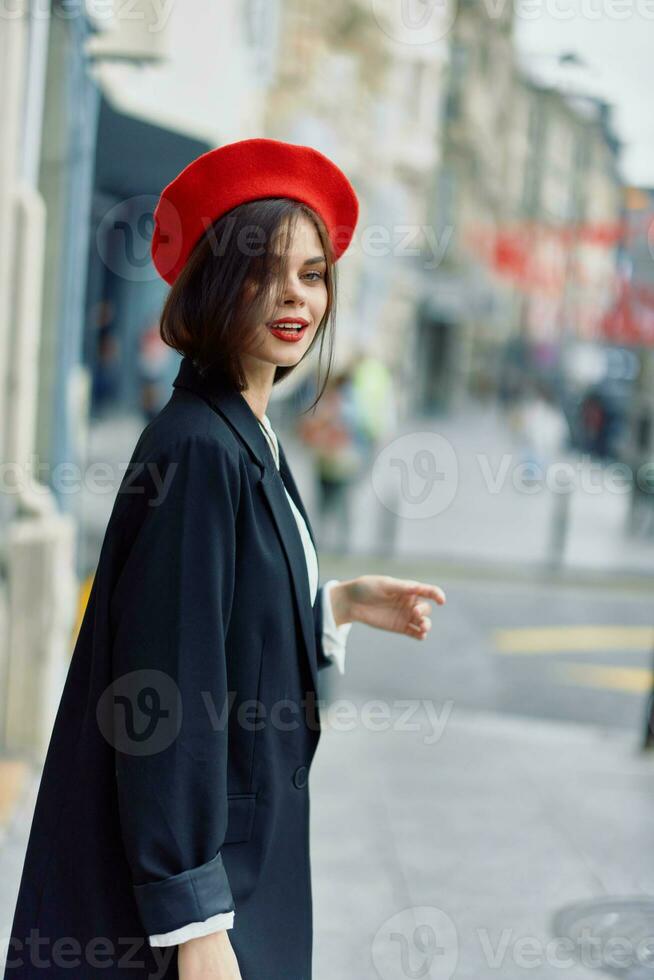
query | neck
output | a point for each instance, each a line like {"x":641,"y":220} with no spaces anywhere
{"x":257,"y":393}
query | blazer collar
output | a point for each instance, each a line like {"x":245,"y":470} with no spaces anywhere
{"x":230,"y":403}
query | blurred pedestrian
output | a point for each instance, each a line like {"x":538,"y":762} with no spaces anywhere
{"x":602,"y":421}
{"x":541,"y":428}
{"x":378,"y":418}
{"x":637,"y":451}
{"x":154,"y":361}
{"x":332,"y":432}
{"x":105,"y":380}
{"x":376,"y":409}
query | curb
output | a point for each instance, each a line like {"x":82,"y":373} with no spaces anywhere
{"x":481,"y":570}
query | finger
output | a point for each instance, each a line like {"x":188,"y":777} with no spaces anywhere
{"x":419,"y":628}
{"x":419,"y":618}
{"x":414,"y":630}
{"x":422,"y":625}
{"x":423,"y":589}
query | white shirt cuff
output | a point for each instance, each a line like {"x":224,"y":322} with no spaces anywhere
{"x":333,"y":637}
{"x":223,"y":920}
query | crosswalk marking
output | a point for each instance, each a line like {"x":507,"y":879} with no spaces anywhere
{"x":633,"y":680}
{"x":564,"y":639}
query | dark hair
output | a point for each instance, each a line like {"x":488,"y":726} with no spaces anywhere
{"x":208,"y":316}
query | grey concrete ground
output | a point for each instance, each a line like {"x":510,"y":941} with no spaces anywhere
{"x":482,"y":835}
{"x":463,"y":498}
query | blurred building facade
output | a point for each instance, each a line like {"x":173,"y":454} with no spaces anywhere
{"x":528,"y":202}
{"x":100,"y":111}
{"x":463,"y":309}
{"x":629,"y":325}
{"x":37,"y":585}
{"x":569,"y":204}
{"x":348,"y":86}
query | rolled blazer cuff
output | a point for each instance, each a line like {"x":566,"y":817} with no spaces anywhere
{"x":191,"y":896}
{"x":215,"y":923}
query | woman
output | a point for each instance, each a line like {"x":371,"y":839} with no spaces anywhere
{"x":171,"y":830}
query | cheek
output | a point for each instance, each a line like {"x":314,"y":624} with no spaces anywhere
{"x":320,"y":302}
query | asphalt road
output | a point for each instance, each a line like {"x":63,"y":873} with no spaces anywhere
{"x":558,"y":652}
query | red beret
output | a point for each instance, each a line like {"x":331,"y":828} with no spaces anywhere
{"x":219,"y":180}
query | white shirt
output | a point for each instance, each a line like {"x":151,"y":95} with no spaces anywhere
{"x":333,"y":637}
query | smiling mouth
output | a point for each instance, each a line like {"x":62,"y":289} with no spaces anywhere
{"x":289,"y":332}
{"x":288,"y":326}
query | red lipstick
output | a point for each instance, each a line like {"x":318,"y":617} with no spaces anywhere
{"x":289,"y":328}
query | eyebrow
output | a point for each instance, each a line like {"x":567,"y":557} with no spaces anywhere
{"x":318,"y":258}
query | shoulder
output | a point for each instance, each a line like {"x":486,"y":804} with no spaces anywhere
{"x":188,"y":422}
{"x":186,"y":456}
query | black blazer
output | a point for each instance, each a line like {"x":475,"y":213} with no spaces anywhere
{"x":175,"y":784}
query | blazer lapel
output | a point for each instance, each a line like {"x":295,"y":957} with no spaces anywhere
{"x":287,"y":477}
{"x":231,"y":404}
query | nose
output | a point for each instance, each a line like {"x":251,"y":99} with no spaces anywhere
{"x":293,"y":292}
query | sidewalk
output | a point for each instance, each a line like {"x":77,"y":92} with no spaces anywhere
{"x":489,"y":828}
{"x":482,"y":836}
{"x":15,"y":773}
{"x":15,"y":776}
{"x":485,"y":523}
{"x":14,"y":830}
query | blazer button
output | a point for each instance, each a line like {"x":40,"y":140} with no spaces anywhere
{"x":300,"y":776}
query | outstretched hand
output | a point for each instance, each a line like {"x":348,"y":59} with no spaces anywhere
{"x":394,"y":604}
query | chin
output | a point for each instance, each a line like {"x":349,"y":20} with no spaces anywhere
{"x":290,"y":360}
{"x":292,"y":355}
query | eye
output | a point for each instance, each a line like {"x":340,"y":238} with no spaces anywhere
{"x":316,"y":273}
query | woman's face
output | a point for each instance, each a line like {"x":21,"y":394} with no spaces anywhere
{"x":303,"y":298}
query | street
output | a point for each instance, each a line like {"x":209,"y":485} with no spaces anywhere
{"x":558,"y":652}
